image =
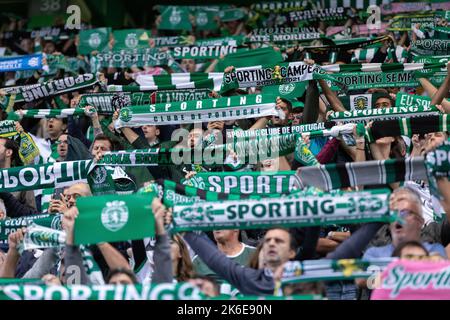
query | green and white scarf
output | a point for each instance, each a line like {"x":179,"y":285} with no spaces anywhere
{"x":351,"y":174}
{"x":247,"y":183}
{"x":113,"y":218}
{"x":238,"y":133}
{"x":264,"y":35}
{"x":431,"y":47}
{"x":148,"y":57}
{"x":404,"y":99}
{"x":331,"y":270}
{"x":408,"y":127}
{"x":367,"y":80}
{"x":381,"y":67}
{"x":326,"y":14}
{"x":202,"y":52}
{"x":42,"y":237}
{"x":92,"y":269}
{"x":229,"y":108}
{"x":130,"y":39}
{"x":282,"y":73}
{"x":35,"y":177}
{"x":437,"y":166}
{"x":8,"y":129}
{"x":165,"y":291}
{"x":383,"y":113}
{"x":8,"y":226}
{"x":54,"y":87}
{"x":50,"y":113}
{"x":347,"y":208}
{"x":93,"y":40}
{"x":173,"y":81}
{"x":436,"y":77}
{"x":179,"y":95}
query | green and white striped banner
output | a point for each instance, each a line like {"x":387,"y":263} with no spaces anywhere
{"x":351,"y":174}
{"x":50,"y":113}
{"x":347,"y":208}
{"x":165,"y":291}
{"x":235,"y":107}
{"x":383,"y":113}
{"x":173,"y":81}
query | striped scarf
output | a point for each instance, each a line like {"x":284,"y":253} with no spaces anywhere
{"x":383,"y":113}
{"x":382,"y":67}
{"x":327,"y":270}
{"x":299,"y":211}
{"x":49,"y":113}
{"x":174,"y":81}
{"x":366,"y":55}
{"x":352,"y":174}
{"x":408,"y":127}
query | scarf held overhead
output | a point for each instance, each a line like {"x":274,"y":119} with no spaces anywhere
{"x":351,"y":207}
{"x":229,"y":108}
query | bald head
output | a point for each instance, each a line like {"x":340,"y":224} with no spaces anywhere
{"x":76,"y":190}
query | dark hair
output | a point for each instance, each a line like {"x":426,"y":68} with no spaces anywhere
{"x":398,"y":250}
{"x":292,"y":240}
{"x":124,"y":271}
{"x":288,"y":103}
{"x":14,"y":147}
{"x":210,"y":279}
{"x":104,"y":137}
{"x":385,"y":96}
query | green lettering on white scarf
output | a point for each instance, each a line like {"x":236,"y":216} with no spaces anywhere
{"x":229,"y":108}
{"x":165,"y":291}
{"x":351,"y":207}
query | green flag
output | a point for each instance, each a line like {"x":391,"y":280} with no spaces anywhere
{"x":175,"y":18}
{"x":130,"y":39}
{"x":204,"y":20}
{"x":113,"y":218}
{"x":93,"y":40}
{"x":244,"y":58}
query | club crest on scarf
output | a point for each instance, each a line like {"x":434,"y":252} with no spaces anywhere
{"x":99,"y":175}
{"x":114,"y":215}
{"x":125,"y":114}
{"x":131,"y":41}
{"x":94,"y":40}
{"x":361,"y":103}
{"x":286,"y":88}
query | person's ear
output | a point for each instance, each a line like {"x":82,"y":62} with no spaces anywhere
{"x":157,"y":132}
{"x":9,"y":153}
{"x":291,"y":254}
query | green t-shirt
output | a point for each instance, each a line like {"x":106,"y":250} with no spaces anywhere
{"x":242,"y":258}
